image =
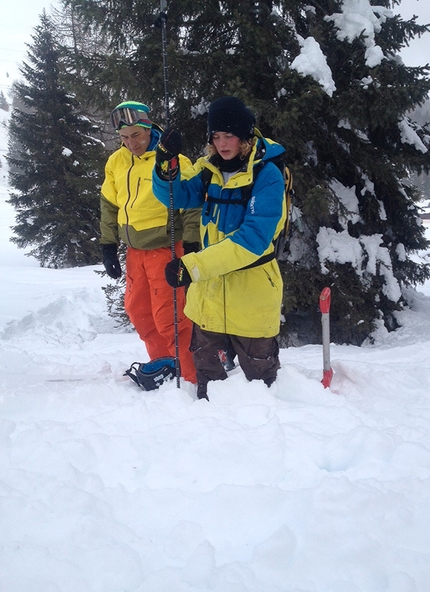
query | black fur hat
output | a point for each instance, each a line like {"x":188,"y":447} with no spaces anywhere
{"x":229,"y":114}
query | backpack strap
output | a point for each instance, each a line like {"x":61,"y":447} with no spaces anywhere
{"x":206,"y":180}
{"x":246,"y":190}
{"x":246,"y":194}
{"x":132,"y":372}
{"x":261,"y":261}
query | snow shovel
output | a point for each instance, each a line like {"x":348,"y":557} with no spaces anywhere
{"x":325,"y":297}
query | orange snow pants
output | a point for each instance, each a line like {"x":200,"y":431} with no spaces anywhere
{"x":148,"y":303}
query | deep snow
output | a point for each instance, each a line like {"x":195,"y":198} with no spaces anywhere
{"x":297,"y":488}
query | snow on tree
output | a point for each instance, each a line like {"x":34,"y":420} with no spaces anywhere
{"x":325,"y":79}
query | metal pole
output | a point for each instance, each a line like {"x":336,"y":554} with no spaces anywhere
{"x":163,"y":22}
{"x":325,"y":298}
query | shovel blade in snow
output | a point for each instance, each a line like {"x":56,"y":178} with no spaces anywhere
{"x":325,"y":301}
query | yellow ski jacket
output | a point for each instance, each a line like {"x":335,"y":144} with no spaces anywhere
{"x":223,"y":297}
{"x":129,"y":209}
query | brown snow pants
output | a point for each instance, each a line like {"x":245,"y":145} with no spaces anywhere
{"x":258,"y":356}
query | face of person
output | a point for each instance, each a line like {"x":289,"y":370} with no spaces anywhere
{"x":227,"y":145}
{"x":136,"y":138}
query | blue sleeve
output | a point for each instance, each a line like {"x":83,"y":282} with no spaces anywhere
{"x":263,"y":213}
{"x":187,"y":188}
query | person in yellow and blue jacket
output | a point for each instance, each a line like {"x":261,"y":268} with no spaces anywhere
{"x":235,"y":285}
{"x":131,"y":213}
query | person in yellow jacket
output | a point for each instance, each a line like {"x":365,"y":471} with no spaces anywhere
{"x":235,"y":285}
{"x":131,"y":213}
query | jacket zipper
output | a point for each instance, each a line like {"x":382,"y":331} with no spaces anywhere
{"x":128,"y":201}
{"x":137,"y":193}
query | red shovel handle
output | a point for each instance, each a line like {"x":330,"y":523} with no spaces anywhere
{"x":325,"y":316}
{"x":325,"y":297}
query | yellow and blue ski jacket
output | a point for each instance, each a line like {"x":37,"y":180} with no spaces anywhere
{"x":224,"y":297}
{"x":129,"y":209}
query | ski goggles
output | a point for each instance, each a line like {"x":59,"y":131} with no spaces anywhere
{"x":128,"y":116}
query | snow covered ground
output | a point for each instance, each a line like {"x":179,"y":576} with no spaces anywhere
{"x":297,"y":488}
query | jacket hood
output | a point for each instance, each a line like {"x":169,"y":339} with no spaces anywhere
{"x":155,"y":136}
{"x":267,"y":148}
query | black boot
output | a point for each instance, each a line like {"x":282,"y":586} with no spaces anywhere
{"x":202,"y":391}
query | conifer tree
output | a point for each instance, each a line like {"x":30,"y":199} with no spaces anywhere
{"x":83,"y":51}
{"x":55,"y":162}
{"x":421,"y":116}
{"x":4,"y":105}
{"x":351,"y":144}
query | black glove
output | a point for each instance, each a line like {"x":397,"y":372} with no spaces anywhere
{"x":111,"y":261}
{"x":169,"y":146}
{"x":166,"y":154}
{"x":191,"y":248}
{"x":177,"y":274}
